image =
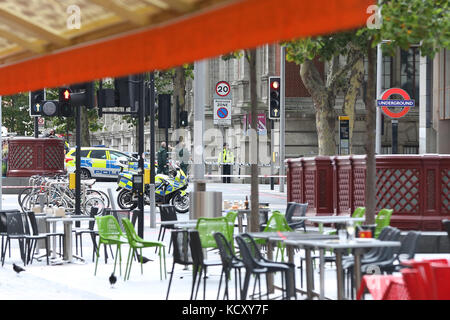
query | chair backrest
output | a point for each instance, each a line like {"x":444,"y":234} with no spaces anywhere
{"x":359,"y":213}
{"x":108,"y":227}
{"x":388,"y":253}
{"x":415,"y":284}
{"x":32,"y":218}
{"x":14,"y":223}
{"x":446,"y":224}
{"x":253,"y":246}
{"x":130,"y":232}
{"x":225,"y":250}
{"x":206,"y":227}
{"x":277,"y":222}
{"x":383,"y":219}
{"x":119,"y":215}
{"x":181,"y":250}
{"x":196,"y":248}
{"x":168,"y":213}
{"x":441,"y":274}
{"x":231,"y":218}
{"x":246,"y":254}
{"x":407,"y":250}
{"x":296,"y":210}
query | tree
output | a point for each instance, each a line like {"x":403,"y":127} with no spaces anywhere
{"x":15,"y":114}
{"x":341,"y":77}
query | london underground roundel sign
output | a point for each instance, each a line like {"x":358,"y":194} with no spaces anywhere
{"x":384,"y":103}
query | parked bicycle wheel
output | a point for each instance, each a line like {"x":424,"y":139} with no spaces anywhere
{"x":94,"y":202}
{"x":99,"y":194}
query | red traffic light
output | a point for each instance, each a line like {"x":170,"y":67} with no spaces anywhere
{"x":66,"y":94}
{"x":275,"y":85}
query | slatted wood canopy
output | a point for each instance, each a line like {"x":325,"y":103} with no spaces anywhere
{"x":39,"y":46}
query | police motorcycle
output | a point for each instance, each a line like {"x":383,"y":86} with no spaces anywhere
{"x":169,"y":189}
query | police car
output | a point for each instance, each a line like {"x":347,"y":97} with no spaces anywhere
{"x":100,"y":162}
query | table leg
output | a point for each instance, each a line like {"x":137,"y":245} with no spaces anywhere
{"x":68,"y":241}
{"x":357,"y":254}
{"x":309,"y":274}
{"x":339,"y":275}
{"x":54,"y":242}
{"x":322,"y":274}
{"x":290,"y":253}
{"x":240,"y":228}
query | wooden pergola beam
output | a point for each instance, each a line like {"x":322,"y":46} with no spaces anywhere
{"x":34,"y":46}
{"x":30,"y":28}
{"x":135,"y":17}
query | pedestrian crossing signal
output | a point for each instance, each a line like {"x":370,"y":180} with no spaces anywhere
{"x":36,"y":102}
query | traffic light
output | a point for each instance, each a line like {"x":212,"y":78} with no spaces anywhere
{"x":274,"y":97}
{"x":164,"y":111}
{"x":36,"y":102}
{"x":83,"y":95}
{"x":127,"y":92}
{"x":183,"y":119}
{"x":65,"y":102}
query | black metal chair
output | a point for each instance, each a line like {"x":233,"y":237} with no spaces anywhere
{"x":15,"y":231}
{"x":296,"y":210}
{"x":34,"y":235}
{"x":406,"y":251}
{"x":167,"y":213}
{"x":229,"y":261}
{"x":256,"y":264}
{"x":446,"y":224}
{"x":181,"y":252}
{"x":199,"y":264}
{"x":90,"y":230}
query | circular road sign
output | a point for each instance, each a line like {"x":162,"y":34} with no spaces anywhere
{"x":385,"y":103}
{"x":223,"y":88}
{"x":222,"y":113}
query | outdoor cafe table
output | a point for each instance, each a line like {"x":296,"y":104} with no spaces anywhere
{"x":67,"y":221}
{"x":321,"y":220}
{"x":264,"y":212}
{"x":274,"y":237}
{"x":358,"y":246}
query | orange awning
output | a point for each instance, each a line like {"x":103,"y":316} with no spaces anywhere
{"x":203,"y":33}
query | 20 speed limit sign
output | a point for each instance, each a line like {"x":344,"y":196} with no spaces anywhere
{"x":223,"y":89}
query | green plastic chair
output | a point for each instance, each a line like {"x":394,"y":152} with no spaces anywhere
{"x":382,"y":220}
{"x":231,"y":218}
{"x":206,"y":228}
{"x":136,"y":243}
{"x":110,"y":234}
{"x":277,"y":222}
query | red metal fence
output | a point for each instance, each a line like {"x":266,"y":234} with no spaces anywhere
{"x":417,"y":187}
{"x":30,"y":156}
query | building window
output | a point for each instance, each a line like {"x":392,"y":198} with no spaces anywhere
{"x":410,"y":71}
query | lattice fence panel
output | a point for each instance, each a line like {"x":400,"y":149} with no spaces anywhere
{"x":54,"y":156}
{"x":20,"y":157}
{"x":296,"y":184}
{"x":445,"y":190}
{"x":309,"y":188}
{"x":359,"y":187}
{"x":344,"y":189}
{"x":398,"y":189}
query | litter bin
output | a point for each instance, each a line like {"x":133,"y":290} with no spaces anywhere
{"x":204,"y":203}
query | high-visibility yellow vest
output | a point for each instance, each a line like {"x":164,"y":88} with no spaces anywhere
{"x":226,"y":156}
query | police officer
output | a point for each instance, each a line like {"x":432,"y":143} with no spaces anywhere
{"x":226,"y":158}
{"x":163,"y":167}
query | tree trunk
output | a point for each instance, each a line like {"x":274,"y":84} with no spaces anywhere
{"x":85,"y":135}
{"x":370,"y":192}
{"x":323,"y":99}
{"x":179,"y":93}
{"x":254,"y":193}
{"x":351,"y":95}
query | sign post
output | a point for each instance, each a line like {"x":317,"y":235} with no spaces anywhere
{"x":222,"y":104}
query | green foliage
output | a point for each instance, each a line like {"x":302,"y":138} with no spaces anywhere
{"x":233,"y":55}
{"x":413,"y":22}
{"x":16,"y":115}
